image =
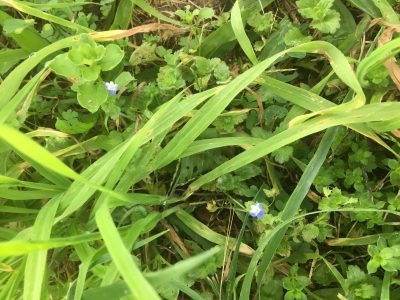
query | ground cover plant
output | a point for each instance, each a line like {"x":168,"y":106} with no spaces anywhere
{"x":199,"y":149}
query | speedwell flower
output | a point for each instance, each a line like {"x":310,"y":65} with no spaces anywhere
{"x":111,"y":87}
{"x":256,"y":210}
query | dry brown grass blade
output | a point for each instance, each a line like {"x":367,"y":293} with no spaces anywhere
{"x":118,"y":34}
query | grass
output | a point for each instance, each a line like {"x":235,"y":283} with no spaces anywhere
{"x":149,"y":192}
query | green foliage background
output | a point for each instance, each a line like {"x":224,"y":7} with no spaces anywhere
{"x":146,"y":193}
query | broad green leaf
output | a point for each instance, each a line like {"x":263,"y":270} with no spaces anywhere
{"x":92,"y":95}
{"x":112,"y":57}
{"x":63,"y":66}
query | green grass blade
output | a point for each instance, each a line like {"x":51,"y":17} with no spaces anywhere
{"x":29,"y":39}
{"x":21,"y":247}
{"x":377,"y":58}
{"x":135,"y":280}
{"x":223,"y":39}
{"x":36,"y":262}
{"x":240,"y":33}
{"x":182,"y":267}
{"x":367,"y":6}
{"x":385,"y":292}
{"x":360,"y":241}
{"x":313,"y":102}
{"x":43,"y":15}
{"x":336,"y":273}
{"x":123,"y":15}
{"x":9,"y":181}
{"x":18,"y":195}
{"x":155,"y":13}
{"x":387,"y":11}
{"x":10,"y":57}
{"x":28,"y":147}
{"x":214,"y":107}
{"x":187,"y":290}
{"x":210,"y":235}
{"x":208,"y":144}
{"x":12,"y":82}
{"x":371,"y":112}
{"x":296,"y":198}
{"x":136,"y":229}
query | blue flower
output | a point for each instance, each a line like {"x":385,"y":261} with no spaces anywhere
{"x":256,"y":210}
{"x":111,"y":87}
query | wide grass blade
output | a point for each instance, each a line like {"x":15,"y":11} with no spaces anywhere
{"x":135,"y":280}
{"x":36,"y":262}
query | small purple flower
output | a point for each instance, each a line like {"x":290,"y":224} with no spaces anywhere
{"x":111,"y":87}
{"x":256,"y":210}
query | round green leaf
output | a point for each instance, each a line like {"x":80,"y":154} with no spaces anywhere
{"x":112,"y":57}
{"x":92,"y":95}
{"x":90,"y":73}
{"x":63,"y":66}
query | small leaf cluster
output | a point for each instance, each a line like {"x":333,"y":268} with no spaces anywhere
{"x":83,"y":65}
{"x":324,"y":18}
{"x":384,"y":256}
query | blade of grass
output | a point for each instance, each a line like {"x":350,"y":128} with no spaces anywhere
{"x":207,"y":144}
{"x":123,"y":15}
{"x":18,"y":195}
{"x":336,"y":274}
{"x":265,"y":238}
{"x":313,"y":102}
{"x":9,"y":181}
{"x":155,"y":13}
{"x":377,"y":58}
{"x":36,"y":262}
{"x":385,"y":292}
{"x":137,"y":228}
{"x":210,"y":111}
{"x":182,"y":267}
{"x":369,"y":112}
{"x":205,"y":232}
{"x":29,"y":39}
{"x":387,"y":11}
{"x":360,"y":241}
{"x":43,"y":15}
{"x":367,"y":6}
{"x":240,"y":33}
{"x":85,"y":253}
{"x":296,"y":198}
{"x":135,"y":280}
{"x":187,"y":290}
{"x":223,"y":39}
